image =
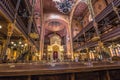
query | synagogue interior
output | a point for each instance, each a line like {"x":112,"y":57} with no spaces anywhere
{"x":59,"y":39}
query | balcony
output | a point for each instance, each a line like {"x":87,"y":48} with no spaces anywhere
{"x":106,"y":36}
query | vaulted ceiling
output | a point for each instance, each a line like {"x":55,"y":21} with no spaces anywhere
{"x":54,"y":20}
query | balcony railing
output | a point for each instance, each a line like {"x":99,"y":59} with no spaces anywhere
{"x":104,"y":38}
{"x":101,"y":16}
{"x":7,"y":8}
{"x":98,"y":18}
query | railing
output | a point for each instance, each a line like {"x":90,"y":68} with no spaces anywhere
{"x":114,"y":32}
{"x":21,"y":24}
{"x":104,"y":38}
{"x":108,"y":9}
{"x":9,"y":11}
{"x":98,"y":18}
{"x":7,"y":8}
{"x":104,"y":13}
{"x":101,"y":16}
{"x":22,"y":55}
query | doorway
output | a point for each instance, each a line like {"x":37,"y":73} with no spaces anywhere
{"x":55,"y":55}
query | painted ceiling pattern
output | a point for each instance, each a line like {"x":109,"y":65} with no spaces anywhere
{"x":49,"y":8}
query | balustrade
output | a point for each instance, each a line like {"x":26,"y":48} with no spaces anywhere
{"x":105,"y":13}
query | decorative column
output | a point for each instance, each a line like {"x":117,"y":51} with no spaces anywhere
{"x":10,"y":31}
{"x":42,"y":31}
{"x":97,"y":37}
{"x":31,"y":17}
{"x":11,"y":26}
{"x":90,"y":7}
{"x":100,"y":46}
{"x":70,"y":26}
{"x":70,"y":42}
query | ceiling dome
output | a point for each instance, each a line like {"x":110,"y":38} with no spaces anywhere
{"x":55,"y":26}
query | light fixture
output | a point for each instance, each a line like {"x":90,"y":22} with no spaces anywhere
{"x":15,"y":44}
{"x":64,"y":6}
{"x":12,"y":42}
{"x":22,"y":45}
{"x":20,"y":42}
{"x":0,"y":26}
{"x":25,"y":44}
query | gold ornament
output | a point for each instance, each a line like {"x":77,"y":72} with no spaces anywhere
{"x":96,"y":38}
{"x":34,"y":35}
{"x":10,"y":29}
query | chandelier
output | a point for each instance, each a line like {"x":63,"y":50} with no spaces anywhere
{"x":64,"y":6}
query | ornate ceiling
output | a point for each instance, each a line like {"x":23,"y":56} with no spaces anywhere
{"x":55,"y":23}
{"x":49,"y":6}
{"x":55,"y":26}
{"x":80,"y":9}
